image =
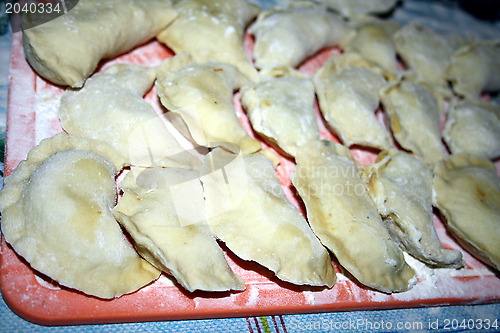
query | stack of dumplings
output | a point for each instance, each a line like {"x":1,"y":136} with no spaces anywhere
{"x":207,"y":183}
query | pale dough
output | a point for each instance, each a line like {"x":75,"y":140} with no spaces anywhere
{"x":57,"y":214}
{"x":212,"y":30}
{"x":467,"y":192}
{"x":401,"y":187}
{"x":162,"y":209}
{"x":345,"y":219}
{"x":202,"y":94}
{"x":248,"y":210}
{"x":69,"y":48}
{"x":110,"y":108}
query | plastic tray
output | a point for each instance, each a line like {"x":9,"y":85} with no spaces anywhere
{"x":40,"y":300}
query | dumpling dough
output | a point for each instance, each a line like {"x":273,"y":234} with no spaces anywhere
{"x":248,"y":210}
{"x":467,"y":192}
{"x":212,"y":30}
{"x":345,"y":219}
{"x":357,"y":8}
{"x":286,"y":37}
{"x":202,"y":94}
{"x":281,"y":108}
{"x":415,"y":119}
{"x":162,"y":209}
{"x":348,"y":95}
{"x":426,"y":52}
{"x":374,"y":42}
{"x":475,"y":68}
{"x":401,"y":187}
{"x":57,"y":214}
{"x":473,"y":127}
{"x":68,"y":49}
{"x":111,"y":108}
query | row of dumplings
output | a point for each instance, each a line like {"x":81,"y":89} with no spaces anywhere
{"x":284,"y":38}
{"x":177,"y":203}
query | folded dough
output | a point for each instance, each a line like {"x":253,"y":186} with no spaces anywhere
{"x":202,"y":94}
{"x":248,"y":210}
{"x":467,"y":192}
{"x":212,"y":30}
{"x":426,"y":52}
{"x":57,"y":214}
{"x":415,"y":119}
{"x":345,"y":219}
{"x":401,"y":187}
{"x":281,"y":108}
{"x":111,"y":108}
{"x":473,"y":126}
{"x":475,"y":68}
{"x":348,"y":95}
{"x":374,"y":42}
{"x":286,"y":37}
{"x":162,"y":209}
{"x":68,"y":49}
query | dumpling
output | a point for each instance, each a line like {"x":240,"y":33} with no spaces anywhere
{"x":286,"y":37}
{"x":212,"y":30}
{"x":345,"y":219}
{"x":202,"y":94}
{"x":248,"y":210}
{"x":358,"y":8}
{"x":401,"y":187}
{"x":281,"y":108}
{"x":162,"y":209}
{"x":348,"y":95}
{"x":473,"y":127}
{"x":415,"y":119}
{"x":57,"y":214}
{"x":426,"y":52}
{"x":467,"y":192}
{"x":111,"y":108}
{"x":374,"y":42}
{"x":68,"y":49}
{"x":475,"y":68}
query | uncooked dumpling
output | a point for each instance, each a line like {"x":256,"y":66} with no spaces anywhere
{"x":162,"y":209}
{"x":374,"y":42}
{"x":401,"y":187}
{"x":415,"y":119}
{"x":467,"y":192}
{"x":286,"y":37}
{"x":426,"y":52}
{"x":248,"y":210}
{"x":111,"y":108}
{"x":202,"y":94}
{"x":473,"y":126}
{"x":348,"y":95}
{"x":57,"y":214}
{"x":212,"y":30}
{"x":345,"y":219}
{"x":68,"y":49}
{"x":281,"y":108}
{"x":475,"y":68}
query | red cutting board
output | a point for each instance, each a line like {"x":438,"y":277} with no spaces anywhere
{"x":32,"y":117}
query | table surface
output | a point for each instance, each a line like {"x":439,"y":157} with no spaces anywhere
{"x":436,"y":319}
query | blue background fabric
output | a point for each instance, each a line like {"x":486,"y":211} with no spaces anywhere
{"x":445,"y":16}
